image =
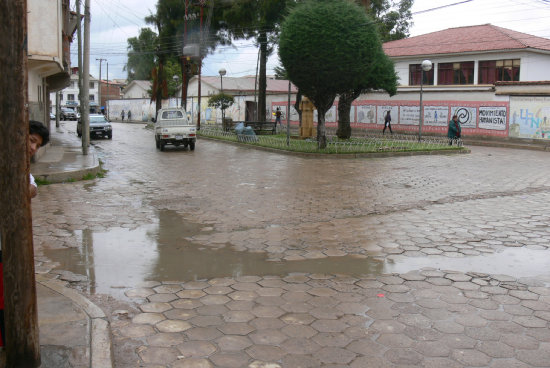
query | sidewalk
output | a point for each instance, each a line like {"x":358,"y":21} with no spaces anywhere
{"x":62,"y":159}
{"x":73,"y":331}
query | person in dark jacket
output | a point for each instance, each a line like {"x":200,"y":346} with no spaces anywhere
{"x":454,"y":131}
{"x":387,"y":122}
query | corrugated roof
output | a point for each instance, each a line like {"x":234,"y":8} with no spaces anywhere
{"x":247,"y":84}
{"x":479,"y":38}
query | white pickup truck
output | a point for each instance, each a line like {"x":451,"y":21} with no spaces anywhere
{"x":173,"y":127}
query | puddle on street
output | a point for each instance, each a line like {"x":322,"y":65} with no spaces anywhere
{"x":122,"y":258}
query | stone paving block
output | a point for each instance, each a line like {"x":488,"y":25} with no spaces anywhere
{"x":268,"y":337}
{"x":297,"y":330}
{"x":158,"y":355}
{"x":165,"y":339}
{"x":300,"y":346}
{"x":230,"y":359}
{"x":236,"y":328}
{"x":233,"y":343}
{"x":470,"y":357}
{"x":403,"y":356}
{"x":332,"y":339}
{"x":266,"y":353}
{"x":192,"y":363}
{"x":197,"y":348}
{"x":148,"y":318}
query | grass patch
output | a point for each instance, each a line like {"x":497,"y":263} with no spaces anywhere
{"x":40,"y":181}
{"x":354,"y":145}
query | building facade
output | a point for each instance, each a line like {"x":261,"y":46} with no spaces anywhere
{"x":68,"y":97}
{"x":51,"y":26}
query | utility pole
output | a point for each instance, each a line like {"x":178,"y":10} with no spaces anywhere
{"x":85,"y":113}
{"x":79,"y":34}
{"x":21,"y":341}
{"x":57,"y":109}
{"x":99,"y":85}
{"x":108,"y":93}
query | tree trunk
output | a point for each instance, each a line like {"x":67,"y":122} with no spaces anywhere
{"x":344,"y":108}
{"x":297,"y":107}
{"x":262,"y":82}
{"x":323,"y":103}
{"x":22,"y":345}
{"x":160,"y":82}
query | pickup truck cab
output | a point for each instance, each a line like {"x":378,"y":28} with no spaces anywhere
{"x":173,"y":127}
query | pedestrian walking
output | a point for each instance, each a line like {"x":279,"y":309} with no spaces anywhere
{"x":122,"y":115}
{"x":129,"y":115}
{"x":454,"y":131}
{"x":278,"y":117}
{"x":387,"y":122}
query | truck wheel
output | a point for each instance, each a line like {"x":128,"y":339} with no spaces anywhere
{"x":110,"y":136}
{"x":162,"y":144}
{"x":192,"y":146}
{"x":157,"y":143}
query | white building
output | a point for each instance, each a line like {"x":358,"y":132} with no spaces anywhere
{"x":137,"y":89}
{"x":68,"y":97}
{"x":50,"y":27}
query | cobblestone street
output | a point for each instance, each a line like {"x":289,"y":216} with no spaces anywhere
{"x":228,"y":256}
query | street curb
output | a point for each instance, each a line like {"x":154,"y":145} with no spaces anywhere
{"x":343,"y":155}
{"x":101,"y":350}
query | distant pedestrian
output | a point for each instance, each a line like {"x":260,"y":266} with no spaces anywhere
{"x":278,"y":117}
{"x":129,"y":115}
{"x":122,"y":115}
{"x":387,"y":122}
{"x":454,"y":131}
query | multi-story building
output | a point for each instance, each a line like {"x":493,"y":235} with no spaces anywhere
{"x":68,"y":97}
{"x":50,"y":27}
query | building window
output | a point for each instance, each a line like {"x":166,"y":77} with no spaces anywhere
{"x":491,"y":71}
{"x":92,"y":97}
{"x":91,"y":85}
{"x":70,"y":97}
{"x":456,"y":73}
{"x":415,"y":73}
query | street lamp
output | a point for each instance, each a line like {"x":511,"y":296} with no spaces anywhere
{"x":176,"y":79}
{"x":222,"y":73}
{"x":426,"y":67}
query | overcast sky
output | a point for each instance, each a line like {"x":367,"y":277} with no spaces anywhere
{"x":114,"y":21}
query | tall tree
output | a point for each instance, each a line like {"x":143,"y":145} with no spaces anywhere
{"x":178,"y":22}
{"x":22,"y":344}
{"x":312,"y":28}
{"x":393,"y":23}
{"x":258,"y":20}
{"x":141,"y":55}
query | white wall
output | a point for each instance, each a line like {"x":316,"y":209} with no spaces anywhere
{"x":44,"y":28}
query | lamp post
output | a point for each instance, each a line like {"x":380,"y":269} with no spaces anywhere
{"x":426,"y":67}
{"x":176,"y":79}
{"x":222,"y":73}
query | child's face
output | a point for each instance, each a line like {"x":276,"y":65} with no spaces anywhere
{"x":35,"y":141}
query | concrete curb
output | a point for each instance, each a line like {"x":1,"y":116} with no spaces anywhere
{"x":343,"y":155}
{"x":101,"y":351}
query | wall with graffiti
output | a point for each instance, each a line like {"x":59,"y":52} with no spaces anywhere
{"x":530,"y":117}
{"x":482,"y":118}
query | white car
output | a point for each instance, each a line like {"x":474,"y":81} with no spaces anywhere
{"x":172,"y":126}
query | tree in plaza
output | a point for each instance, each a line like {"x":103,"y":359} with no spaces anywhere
{"x":326,"y":47}
{"x":258,"y":20}
{"x":380,"y":76}
{"x":141,"y":55}
{"x":393,"y":24}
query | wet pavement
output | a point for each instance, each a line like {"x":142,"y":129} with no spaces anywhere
{"x":232,"y":257}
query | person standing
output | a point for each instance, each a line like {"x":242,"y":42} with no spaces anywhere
{"x":129,"y":115}
{"x":122,"y":114}
{"x":454,"y":131}
{"x":387,"y":122}
{"x":278,"y":117}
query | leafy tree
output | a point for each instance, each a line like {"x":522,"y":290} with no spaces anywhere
{"x":141,"y":57}
{"x":393,"y":24}
{"x":258,"y":20}
{"x":176,"y":32}
{"x":324,"y":46}
{"x":220,"y":101}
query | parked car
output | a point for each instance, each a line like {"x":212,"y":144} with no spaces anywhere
{"x":67,"y":114}
{"x":172,"y":126}
{"x":52,"y":116}
{"x":99,"y":126}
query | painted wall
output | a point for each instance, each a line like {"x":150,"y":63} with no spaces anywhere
{"x":479,"y":118}
{"x":44,"y":28}
{"x":530,"y":117}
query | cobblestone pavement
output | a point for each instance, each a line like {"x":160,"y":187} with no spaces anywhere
{"x":459,"y":244}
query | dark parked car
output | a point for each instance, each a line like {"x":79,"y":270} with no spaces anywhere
{"x":67,"y":114}
{"x":99,"y":126}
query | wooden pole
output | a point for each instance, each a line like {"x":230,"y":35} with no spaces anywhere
{"x":21,"y":340}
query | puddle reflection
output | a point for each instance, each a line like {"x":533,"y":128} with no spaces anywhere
{"x":122,"y":258}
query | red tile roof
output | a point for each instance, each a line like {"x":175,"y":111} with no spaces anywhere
{"x":480,"y":38}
